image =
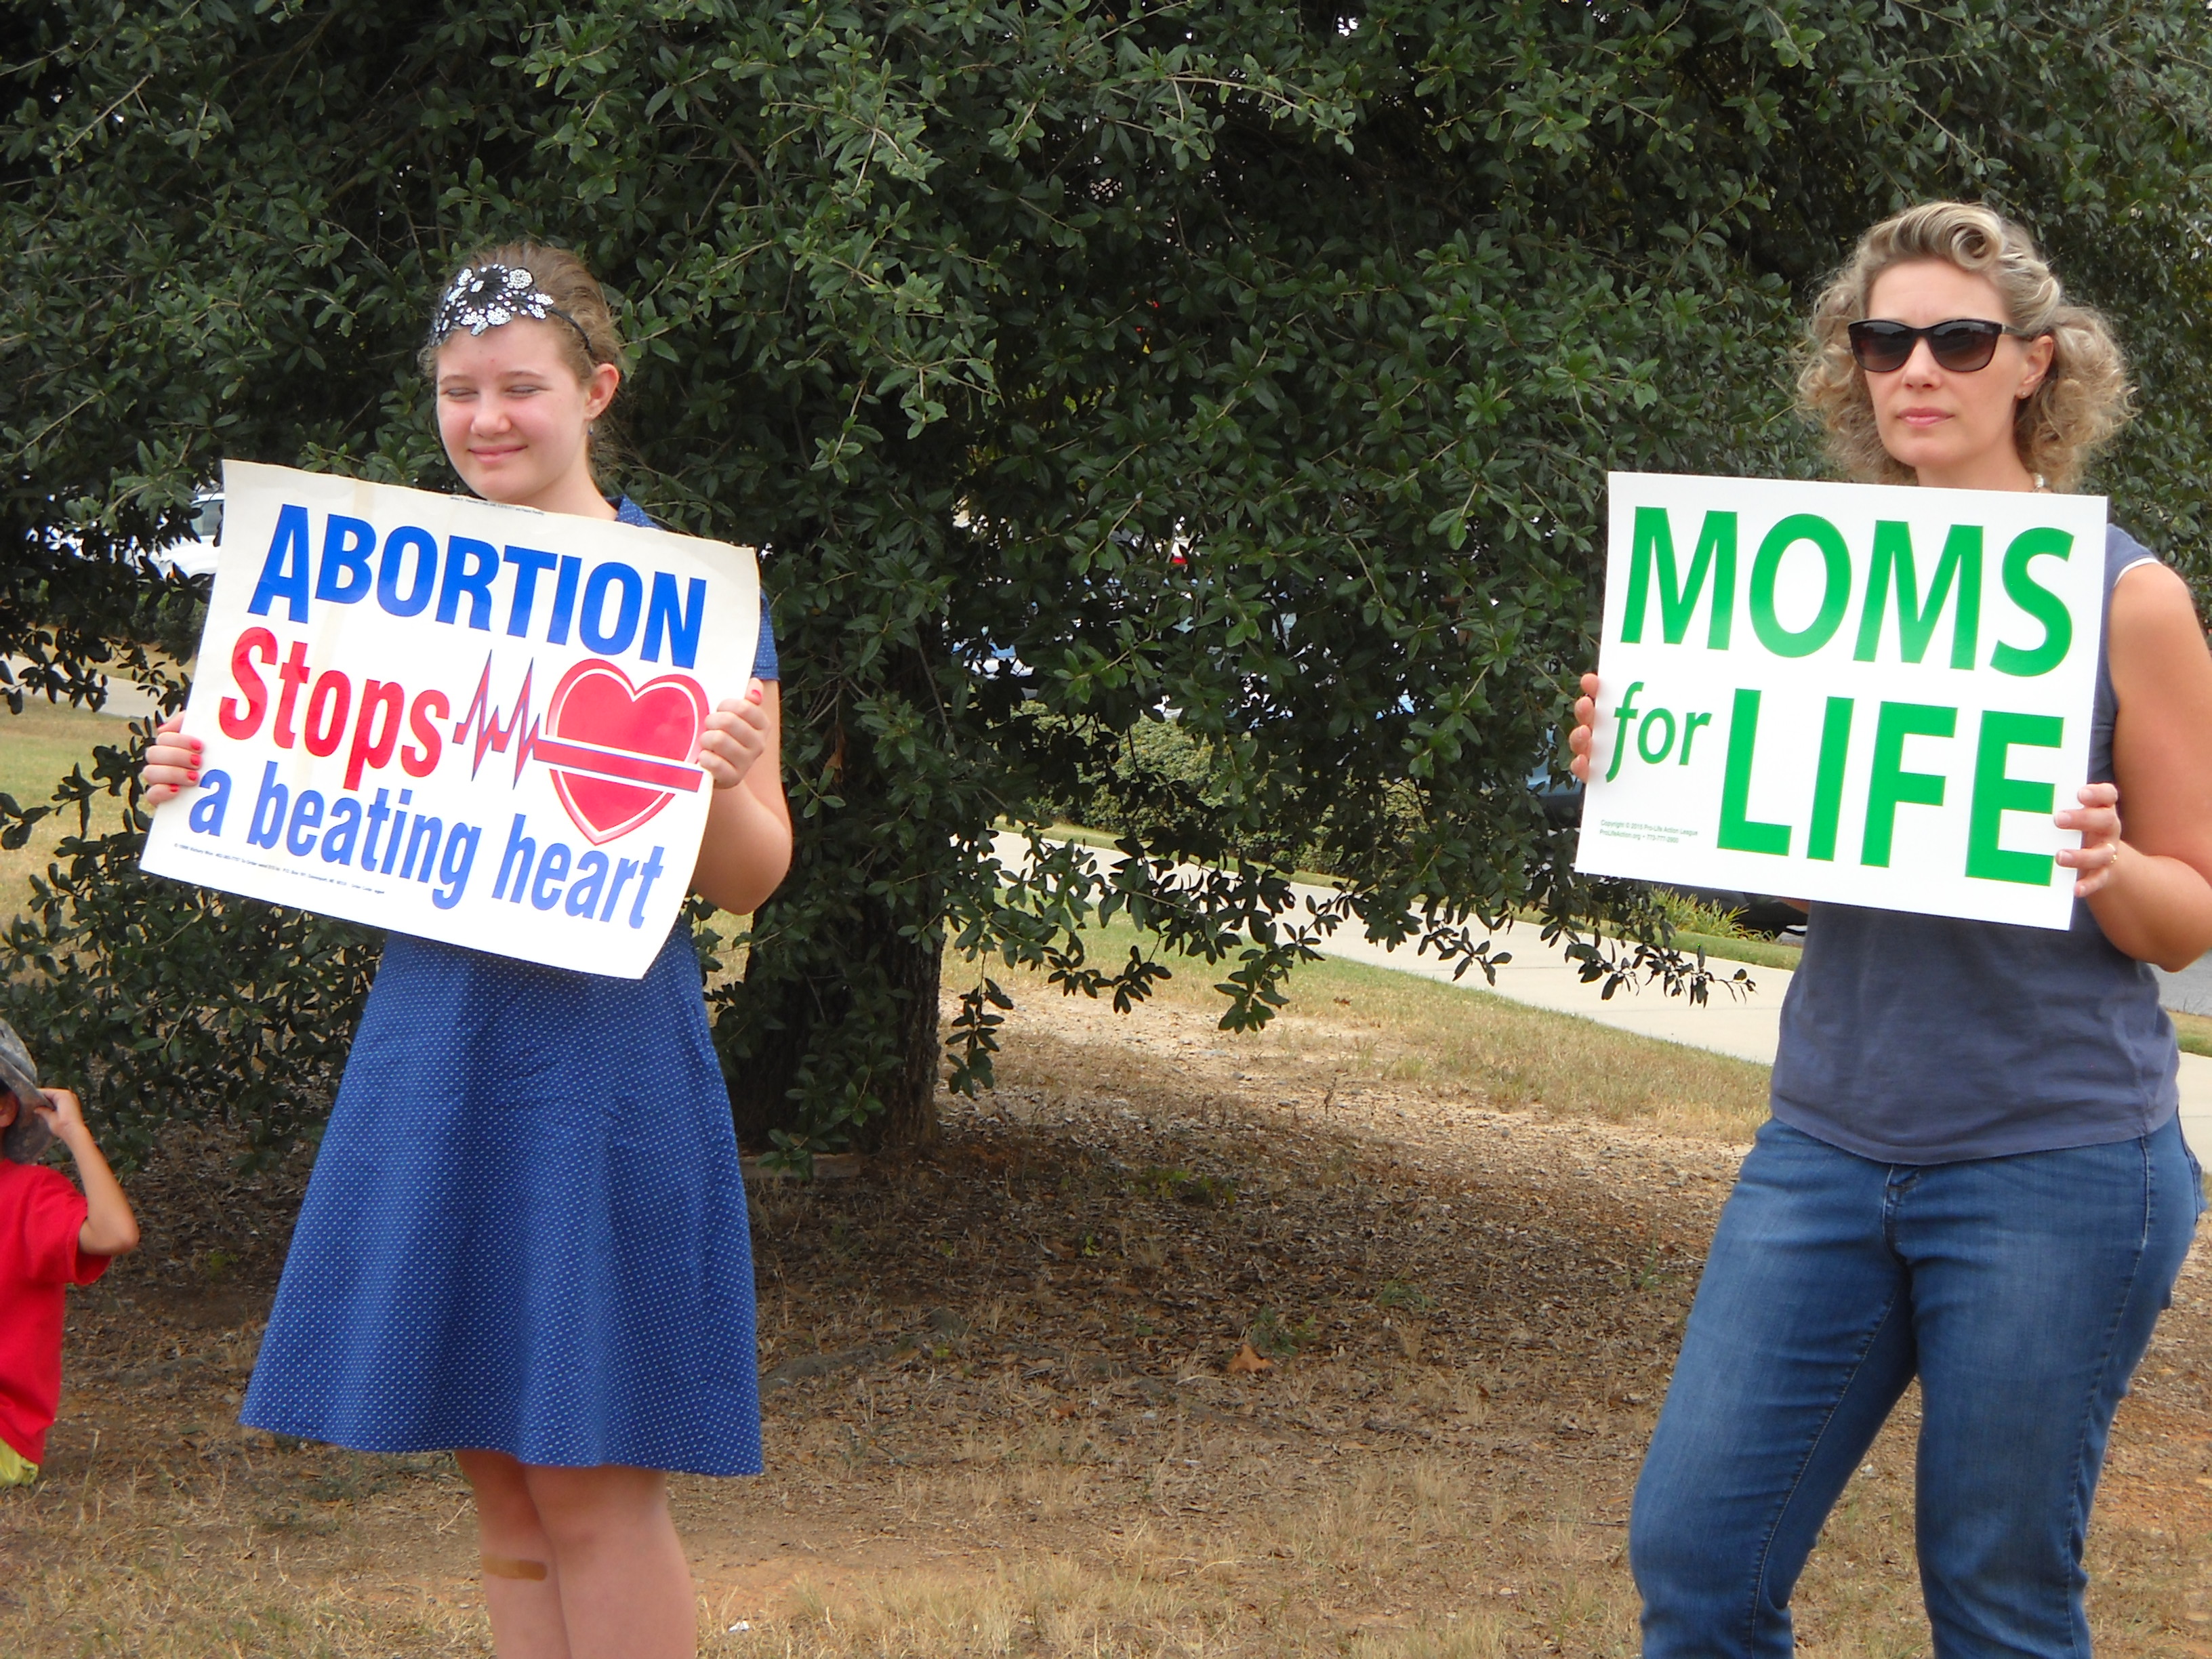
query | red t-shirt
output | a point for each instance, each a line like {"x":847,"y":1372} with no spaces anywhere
{"x":41,"y":1213}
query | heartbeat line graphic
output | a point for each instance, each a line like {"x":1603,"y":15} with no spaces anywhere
{"x":566,"y":754}
{"x":482,"y":718}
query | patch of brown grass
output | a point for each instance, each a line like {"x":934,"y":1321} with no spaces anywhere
{"x":1358,"y":1025}
{"x":1001,"y":1418}
{"x":165,"y":1562}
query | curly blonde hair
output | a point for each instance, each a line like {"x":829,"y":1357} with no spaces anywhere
{"x":2083,"y":400}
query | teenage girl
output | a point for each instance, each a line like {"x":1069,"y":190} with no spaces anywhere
{"x":525,"y":1238}
{"x":1973,"y":1174}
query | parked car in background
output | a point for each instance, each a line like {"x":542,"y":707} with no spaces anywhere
{"x":194,"y":555}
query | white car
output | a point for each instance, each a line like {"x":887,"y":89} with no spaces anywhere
{"x":195,"y":555}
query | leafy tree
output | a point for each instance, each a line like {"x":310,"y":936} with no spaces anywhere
{"x":1258,"y":363}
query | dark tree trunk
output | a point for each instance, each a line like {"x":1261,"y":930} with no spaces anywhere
{"x":909,"y":1117}
{"x":780,"y":1023}
{"x":818,"y":1013}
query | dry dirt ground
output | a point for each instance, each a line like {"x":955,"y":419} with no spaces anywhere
{"x":1006,"y":1411}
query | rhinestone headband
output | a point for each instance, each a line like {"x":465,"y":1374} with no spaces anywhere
{"x":486,"y":296}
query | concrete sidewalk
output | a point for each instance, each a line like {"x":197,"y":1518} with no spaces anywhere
{"x":125,"y":700}
{"x":1744,"y":1023}
{"x":1747,"y":1024}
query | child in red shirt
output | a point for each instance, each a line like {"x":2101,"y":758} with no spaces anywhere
{"x":51,"y":1235}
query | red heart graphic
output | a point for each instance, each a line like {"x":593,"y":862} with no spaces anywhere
{"x":619,"y":753}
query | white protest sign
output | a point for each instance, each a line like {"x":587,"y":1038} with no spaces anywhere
{"x":471,"y":722}
{"x":1872,"y":695}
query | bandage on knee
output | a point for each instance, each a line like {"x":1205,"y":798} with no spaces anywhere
{"x":505,"y":1566}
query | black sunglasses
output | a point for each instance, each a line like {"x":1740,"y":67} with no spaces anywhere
{"x":1963,"y":344}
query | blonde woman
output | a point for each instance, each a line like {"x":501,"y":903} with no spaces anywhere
{"x":1973,"y":1175}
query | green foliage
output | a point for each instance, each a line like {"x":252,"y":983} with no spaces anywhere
{"x":1685,"y":914}
{"x":1396,"y":1294}
{"x":1163,"y":786}
{"x":179,"y":1003}
{"x":1156,"y":777}
{"x":1259,"y":361}
{"x":1278,"y":1338}
{"x":1208,"y":1192}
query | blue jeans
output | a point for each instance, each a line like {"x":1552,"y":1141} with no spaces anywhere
{"x":2020,"y":1291}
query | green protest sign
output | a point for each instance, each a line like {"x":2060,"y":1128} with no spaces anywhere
{"x":1867,"y":694}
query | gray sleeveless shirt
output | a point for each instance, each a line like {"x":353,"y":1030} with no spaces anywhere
{"x":1913,"y":1039}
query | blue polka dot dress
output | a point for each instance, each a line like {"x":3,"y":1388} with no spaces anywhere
{"x":526,"y":1231}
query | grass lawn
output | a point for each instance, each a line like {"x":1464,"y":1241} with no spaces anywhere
{"x":1759,"y":952}
{"x":2195,"y":1031}
{"x":1353,"y":1020}
{"x":38,"y":748}
{"x":1340,"y":1340}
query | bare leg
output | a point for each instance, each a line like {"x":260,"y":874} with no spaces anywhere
{"x":521,"y":1578}
{"x":625,"y":1587}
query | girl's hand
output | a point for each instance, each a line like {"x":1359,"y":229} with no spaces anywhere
{"x":735,"y":737}
{"x":2097,"y":818}
{"x":172,"y":763}
{"x":1585,"y":730}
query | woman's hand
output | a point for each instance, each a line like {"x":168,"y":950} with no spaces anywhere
{"x":2097,"y":818}
{"x":735,"y":737}
{"x":172,"y":763}
{"x":1585,"y":732}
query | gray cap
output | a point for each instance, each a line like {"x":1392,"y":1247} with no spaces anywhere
{"x":28,"y":1135}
